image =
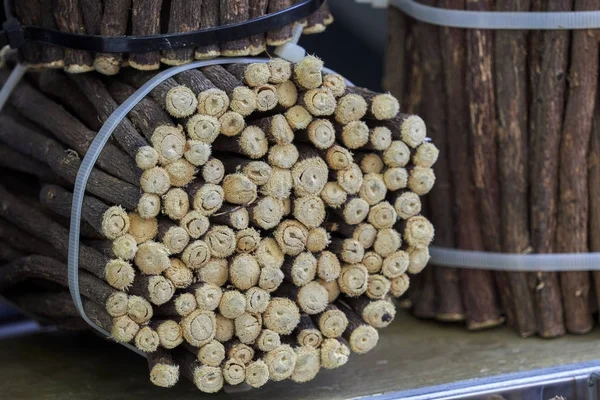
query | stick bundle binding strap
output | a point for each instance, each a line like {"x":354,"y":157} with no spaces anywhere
{"x":16,"y":35}
{"x":498,"y":19}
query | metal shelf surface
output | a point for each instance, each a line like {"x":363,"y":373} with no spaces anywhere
{"x":414,"y":360}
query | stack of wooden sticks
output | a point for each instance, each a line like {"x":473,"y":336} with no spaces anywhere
{"x":255,"y":220}
{"x":151,"y":17}
{"x":513,"y":113}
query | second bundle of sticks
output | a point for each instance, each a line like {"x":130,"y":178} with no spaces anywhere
{"x":514,"y":114}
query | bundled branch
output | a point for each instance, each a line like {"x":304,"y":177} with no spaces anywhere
{"x":152,"y":17}
{"x":512,"y":113}
{"x":264,"y":253}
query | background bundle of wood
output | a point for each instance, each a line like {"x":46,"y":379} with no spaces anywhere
{"x":513,"y":113}
{"x":245,"y":223}
{"x":151,"y":17}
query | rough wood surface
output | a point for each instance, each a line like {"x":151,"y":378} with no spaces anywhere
{"x":91,"y":11}
{"x":184,"y":16}
{"x":69,"y":18}
{"x":195,"y":80}
{"x":447,"y":286}
{"x":479,"y":296}
{"x":59,"y":200}
{"x":396,"y":68}
{"x":20,"y":240}
{"x":66,"y":164}
{"x":41,"y":226}
{"x":145,"y":20}
{"x":232,"y":11}
{"x":594,"y":193}
{"x":281,"y":35}
{"x":547,"y":115}
{"x":572,"y":218}
{"x":51,"y":116}
{"x":47,"y":268}
{"x":147,"y":115}
{"x":209,"y":17}
{"x":511,"y":95}
{"x":482,"y":121}
{"x":125,"y":133}
{"x":258,"y":8}
{"x":114,"y":22}
{"x":39,"y":13}
{"x":13,"y":160}
{"x":57,"y":85}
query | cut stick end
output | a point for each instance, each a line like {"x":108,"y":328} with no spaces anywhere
{"x":119,"y":274}
{"x":164,"y":375}
{"x":181,"y":102}
{"x":108,"y":64}
{"x":413,"y":131}
{"x":213,"y":102}
{"x":139,"y":309}
{"x":280,"y":70}
{"x":124,"y":329}
{"x":116,"y":304}
{"x":308,"y":72}
{"x":385,"y":106}
{"x":115,"y":222}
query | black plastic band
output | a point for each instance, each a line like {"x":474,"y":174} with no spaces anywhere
{"x":16,"y":35}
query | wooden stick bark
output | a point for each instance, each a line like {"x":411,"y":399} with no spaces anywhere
{"x":480,"y":94}
{"x":449,"y":305}
{"x":21,"y":241}
{"x":593,"y":191}
{"x":146,"y":115}
{"x":46,"y":268}
{"x":39,"y":13}
{"x":69,"y":18}
{"x":145,"y":20}
{"x":258,"y":8}
{"x":44,"y":228}
{"x":13,"y":160}
{"x":511,"y":94}
{"x":125,"y":133}
{"x":66,"y":165}
{"x":396,"y":68}
{"x":209,"y":17}
{"x":57,"y":85}
{"x":94,"y":211}
{"x":478,"y":292}
{"x":547,"y":115}
{"x":114,"y":23}
{"x":185,"y":16}
{"x":92,"y":16}
{"x":572,"y":218}
{"x":281,"y":35}
{"x":232,"y":11}
{"x":52,"y":117}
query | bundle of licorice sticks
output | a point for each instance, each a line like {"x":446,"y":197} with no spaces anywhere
{"x":245,"y":223}
{"x":151,"y":17}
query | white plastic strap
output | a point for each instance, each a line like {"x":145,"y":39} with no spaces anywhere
{"x":499,"y":19}
{"x":515,"y":262}
{"x":14,"y":78}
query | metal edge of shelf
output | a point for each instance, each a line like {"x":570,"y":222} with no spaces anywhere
{"x":575,"y":381}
